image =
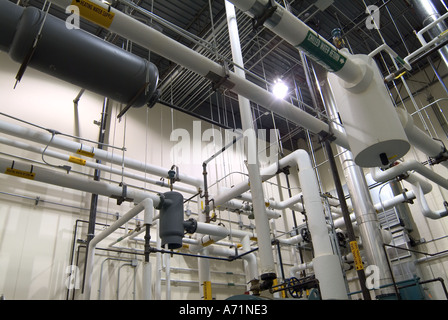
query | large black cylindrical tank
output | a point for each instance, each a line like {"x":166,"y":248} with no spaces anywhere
{"x":76,"y":56}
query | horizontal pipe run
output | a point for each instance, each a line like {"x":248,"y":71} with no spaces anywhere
{"x":297,"y":33}
{"x":266,"y":173}
{"x":75,"y":147}
{"x":39,"y":174}
{"x":403,"y":167}
{"x":89,"y":164}
{"x":155,"y":41}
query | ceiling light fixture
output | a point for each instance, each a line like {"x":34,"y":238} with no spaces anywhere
{"x":280,"y":89}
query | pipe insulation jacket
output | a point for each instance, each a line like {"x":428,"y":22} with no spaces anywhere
{"x":156,"y":42}
{"x":267,"y":265}
{"x":39,"y":174}
{"x":297,"y":33}
{"x":419,"y":139}
{"x":91,"y":164}
{"x":75,"y":56}
{"x":71,"y":146}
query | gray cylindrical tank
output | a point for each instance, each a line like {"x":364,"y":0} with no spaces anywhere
{"x":171,"y":226}
{"x":9,"y":18}
{"x":76,"y":56}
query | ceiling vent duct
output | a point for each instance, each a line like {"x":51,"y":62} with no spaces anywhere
{"x":75,"y":56}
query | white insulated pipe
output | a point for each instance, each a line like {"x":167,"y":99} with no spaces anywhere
{"x":139,"y":33}
{"x":423,"y":204}
{"x":419,"y":138}
{"x":419,"y":186}
{"x":327,"y":267}
{"x":243,"y":208}
{"x":72,"y":146}
{"x":284,"y":24}
{"x":267,"y":264}
{"x":146,"y":205}
{"x":266,"y":173}
{"x":39,"y":174}
{"x":411,"y":165}
{"x":90,"y":164}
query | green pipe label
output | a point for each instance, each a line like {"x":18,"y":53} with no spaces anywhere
{"x":322,"y":52}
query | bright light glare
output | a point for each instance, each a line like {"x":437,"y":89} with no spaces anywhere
{"x":280,"y":89}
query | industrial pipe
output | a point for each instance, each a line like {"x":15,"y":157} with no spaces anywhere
{"x":90,"y":164}
{"x":81,"y":149}
{"x":147,"y":205}
{"x":403,"y":167}
{"x":39,"y":174}
{"x":155,"y":41}
{"x":328,"y":266}
{"x":43,"y":42}
{"x":284,"y":24}
{"x":267,"y":266}
{"x":419,"y":186}
{"x":424,"y":207}
{"x":419,"y":139}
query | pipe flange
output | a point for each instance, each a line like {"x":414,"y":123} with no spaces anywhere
{"x":190,"y":226}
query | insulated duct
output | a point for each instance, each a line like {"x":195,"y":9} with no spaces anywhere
{"x":75,"y":56}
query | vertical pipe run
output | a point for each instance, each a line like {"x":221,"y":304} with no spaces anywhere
{"x":96,"y":177}
{"x":267,"y":266}
{"x":327,"y":266}
{"x":362,"y":203}
{"x":347,"y":219}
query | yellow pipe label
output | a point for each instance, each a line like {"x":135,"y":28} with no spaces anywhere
{"x":20,"y":173}
{"x":77,"y":160}
{"x":209,"y":242}
{"x":356,"y":255}
{"x":95,"y":13}
{"x":85,"y":153}
{"x":207,"y":290}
